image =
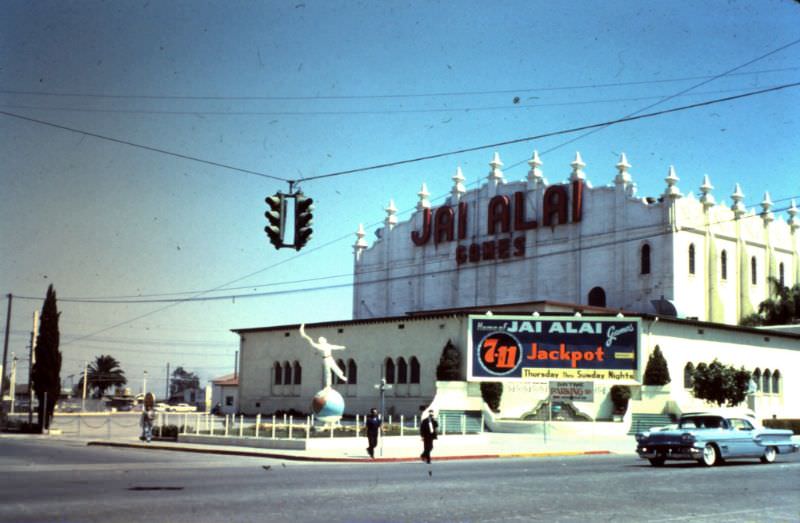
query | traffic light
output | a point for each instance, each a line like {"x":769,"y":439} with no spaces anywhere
{"x":276,"y":216}
{"x":302,"y":220}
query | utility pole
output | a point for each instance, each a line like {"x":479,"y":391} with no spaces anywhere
{"x":5,"y":353}
{"x":31,"y":361}
{"x":167,"y":395}
{"x":85,"y":379}
{"x":12,"y":387}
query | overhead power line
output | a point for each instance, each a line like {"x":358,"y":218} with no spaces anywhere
{"x":140,"y":146}
{"x":419,"y":158}
{"x":599,"y":85}
{"x":551,"y":134}
{"x":682,"y":92}
{"x":345,"y":112}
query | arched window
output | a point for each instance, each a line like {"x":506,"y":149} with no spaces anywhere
{"x":766,"y":378}
{"x":688,"y":376}
{"x":597,"y":297}
{"x":776,"y":381}
{"x":402,"y":371}
{"x":298,"y":373}
{"x":646,"y":258}
{"x":388,"y":367}
{"x":352,"y":372}
{"x":723,"y":259}
{"x":414,"y":370}
{"x":336,"y":379}
{"x":278,"y":371}
{"x":691,"y":258}
{"x":287,"y":373}
{"x":753,"y":271}
{"x":757,"y":378}
{"x":780,"y":275}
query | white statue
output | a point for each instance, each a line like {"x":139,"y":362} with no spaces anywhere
{"x":325,"y":348}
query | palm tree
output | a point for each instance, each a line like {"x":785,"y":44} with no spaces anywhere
{"x":103,"y":373}
{"x":784,"y":307}
{"x":781,"y":308}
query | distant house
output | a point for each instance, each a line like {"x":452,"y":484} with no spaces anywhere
{"x":191,"y":396}
{"x":225,"y":393}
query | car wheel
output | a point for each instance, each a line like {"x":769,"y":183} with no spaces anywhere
{"x":657,"y":462}
{"x":710,"y":456}
{"x":769,"y":455}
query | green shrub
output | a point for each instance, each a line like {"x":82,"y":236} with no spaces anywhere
{"x":656,"y":372}
{"x":720,"y":384}
{"x":166,"y":431}
{"x":620,"y":394}
{"x":492,"y":392}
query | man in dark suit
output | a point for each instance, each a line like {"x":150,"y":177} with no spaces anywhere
{"x":373,"y":427}
{"x":427,"y":430}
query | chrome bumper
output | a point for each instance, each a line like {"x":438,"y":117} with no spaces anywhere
{"x":656,"y":451}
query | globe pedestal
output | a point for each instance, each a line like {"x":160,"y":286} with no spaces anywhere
{"x":328,"y":406}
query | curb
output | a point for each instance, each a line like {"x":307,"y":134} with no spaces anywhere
{"x":324,"y":459}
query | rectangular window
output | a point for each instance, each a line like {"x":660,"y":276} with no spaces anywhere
{"x":229,"y":401}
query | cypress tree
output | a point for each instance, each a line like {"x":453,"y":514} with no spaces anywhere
{"x":656,"y":372}
{"x":449,"y":368}
{"x":45,"y":375}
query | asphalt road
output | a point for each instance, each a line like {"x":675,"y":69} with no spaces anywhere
{"x":62,"y":481}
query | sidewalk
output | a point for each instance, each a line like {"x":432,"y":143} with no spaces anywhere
{"x":407,"y":449}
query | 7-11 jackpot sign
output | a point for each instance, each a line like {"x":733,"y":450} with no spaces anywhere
{"x":524,"y":348}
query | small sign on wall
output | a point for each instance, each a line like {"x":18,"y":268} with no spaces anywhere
{"x":572,"y":390}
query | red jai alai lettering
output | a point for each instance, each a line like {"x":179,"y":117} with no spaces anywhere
{"x":505,"y":215}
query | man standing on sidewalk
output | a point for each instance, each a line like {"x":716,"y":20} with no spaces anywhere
{"x":373,"y":426}
{"x":148,"y":417}
{"x":427,"y":430}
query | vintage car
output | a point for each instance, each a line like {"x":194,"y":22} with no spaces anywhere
{"x":710,"y":438}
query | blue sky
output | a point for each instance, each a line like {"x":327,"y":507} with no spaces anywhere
{"x":304,"y":88}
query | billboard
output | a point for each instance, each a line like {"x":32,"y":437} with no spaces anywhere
{"x":523,"y":348}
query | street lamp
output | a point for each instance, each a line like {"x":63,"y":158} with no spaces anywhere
{"x":382,"y":386}
{"x":144,"y":385}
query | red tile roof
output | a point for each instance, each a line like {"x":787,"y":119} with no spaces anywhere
{"x":227,"y":380}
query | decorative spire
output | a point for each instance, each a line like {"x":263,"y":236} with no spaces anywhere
{"x":391,"y":218}
{"x":707,"y":198}
{"x":737,"y":197}
{"x":458,"y":185}
{"x":766,"y":205}
{"x":496,"y":175}
{"x":577,"y":168}
{"x":794,"y":223}
{"x":361,"y":243}
{"x":623,"y":176}
{"x":535,"y":177}
{"x":672,"y":181}
{"x":423,"y":194}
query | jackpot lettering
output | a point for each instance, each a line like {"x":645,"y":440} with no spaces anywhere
{"x":503,"y":216}
{"x":562,"y":354}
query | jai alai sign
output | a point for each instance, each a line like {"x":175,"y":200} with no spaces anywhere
{"x":505,"y":215}
{"x":557,"y":347}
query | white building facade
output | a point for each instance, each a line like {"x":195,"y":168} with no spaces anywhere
{"x":511,"y":242}
{"x":280,"y":371}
